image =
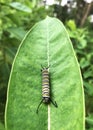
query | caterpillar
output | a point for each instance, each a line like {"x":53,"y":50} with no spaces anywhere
{"x":45,"y":88}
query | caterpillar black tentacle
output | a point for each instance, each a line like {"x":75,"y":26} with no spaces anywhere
{"x":45,"y":89}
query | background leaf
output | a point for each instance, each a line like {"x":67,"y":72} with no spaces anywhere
{"x":18,"y":33}
{"x":21,"y":7}
{"x":2,"y":126}
{"x":47,"y":43}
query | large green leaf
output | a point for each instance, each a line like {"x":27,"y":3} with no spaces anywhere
{"x":47,"y":43}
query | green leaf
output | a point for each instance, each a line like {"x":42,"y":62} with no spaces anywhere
{"x":89,"y":119}
{"x":84,"y":63}
{"x":71,"y":24}
{"x":20,"y":7}
{"x":2,"y":126}
{"x":18,"y":33}
{"x":88,"y":88}
{"x":82,"y":43}
{"x":88,"y":73}
{"x":47,"y":43}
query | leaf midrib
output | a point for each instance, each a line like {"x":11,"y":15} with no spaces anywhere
{"x":47,"y":42}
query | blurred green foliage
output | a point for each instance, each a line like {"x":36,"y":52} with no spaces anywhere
{"x":17,"y":17}
{"x":83,"y":43}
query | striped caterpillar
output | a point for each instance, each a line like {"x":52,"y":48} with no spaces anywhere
{"x":45,"y":89}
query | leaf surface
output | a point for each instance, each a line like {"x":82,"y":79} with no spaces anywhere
{"x":46,"y":44}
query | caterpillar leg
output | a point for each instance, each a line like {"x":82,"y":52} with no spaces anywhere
{"x":54,"y":103}
{"x":44,"y":67}
{"x":39,"y":106}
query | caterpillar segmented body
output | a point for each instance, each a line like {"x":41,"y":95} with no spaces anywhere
{"x":45,"y":88}
{"x":45,"y":85}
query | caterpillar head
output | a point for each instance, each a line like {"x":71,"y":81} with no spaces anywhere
{"x":46,"y":100}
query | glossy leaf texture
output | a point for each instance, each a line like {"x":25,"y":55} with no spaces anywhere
{"x":46,"y":44}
